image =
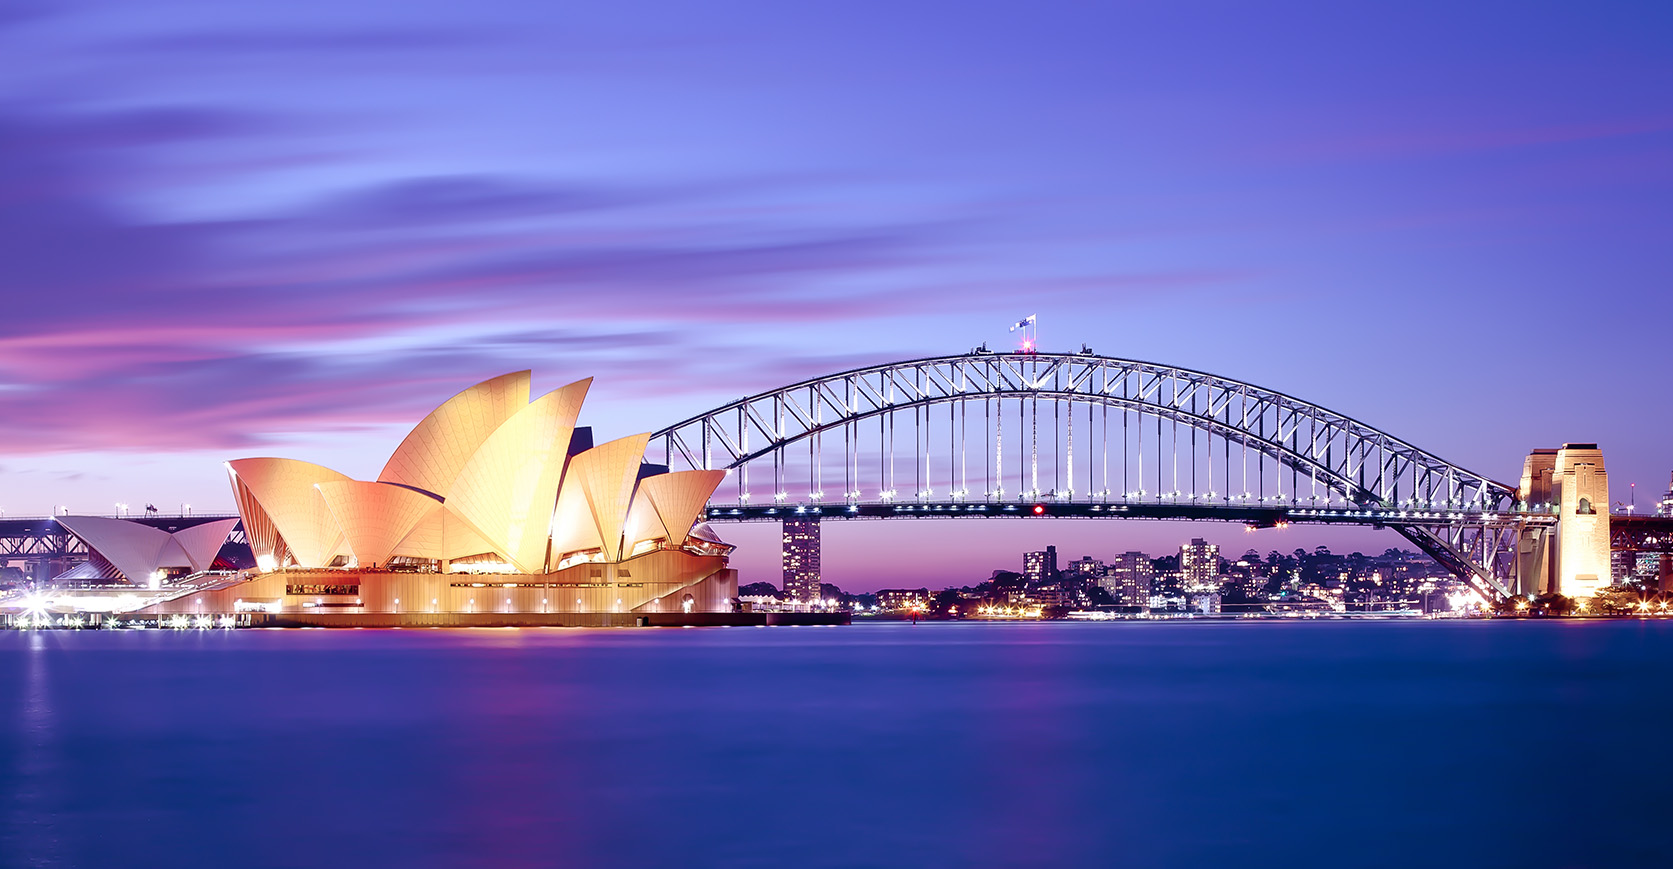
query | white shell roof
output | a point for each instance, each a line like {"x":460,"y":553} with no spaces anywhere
{"x":487,"y":472}
{"x":138,"y":550}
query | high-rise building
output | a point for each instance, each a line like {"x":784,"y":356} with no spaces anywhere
{"x":1040,"y":566}
{"x":1199,"y":565}
{"x":801,"y":560}
{"x":1665,"y":508}
{"x":1127,"y":579}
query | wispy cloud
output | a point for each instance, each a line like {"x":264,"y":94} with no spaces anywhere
{"x":311,"y":42}
{"x":130,"y":332}
{"x":1461,"y":137}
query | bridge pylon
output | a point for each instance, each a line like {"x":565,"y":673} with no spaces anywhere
{"x":1571,"y":559}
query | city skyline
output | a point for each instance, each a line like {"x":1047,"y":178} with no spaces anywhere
{"x":266,"y":235}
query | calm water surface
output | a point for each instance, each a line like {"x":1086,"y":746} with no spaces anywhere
{"x":1270,"y":744}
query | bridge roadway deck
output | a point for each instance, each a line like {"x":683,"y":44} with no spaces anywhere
{"x":14,"y":525}
{"x":1641,"y":533}
{"x":1261,"y":516}
{"x":22,"y":536}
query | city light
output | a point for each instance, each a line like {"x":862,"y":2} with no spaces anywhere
{"x":35,"y":607}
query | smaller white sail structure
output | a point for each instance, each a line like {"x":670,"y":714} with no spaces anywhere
{"x":136,"y":551}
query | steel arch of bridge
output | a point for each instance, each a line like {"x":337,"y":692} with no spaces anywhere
{"x":1366,"y":475}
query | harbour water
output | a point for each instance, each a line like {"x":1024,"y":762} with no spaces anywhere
{"x":1014,"y":744}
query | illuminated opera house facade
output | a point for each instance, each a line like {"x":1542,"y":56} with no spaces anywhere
{"x":493,"y":504}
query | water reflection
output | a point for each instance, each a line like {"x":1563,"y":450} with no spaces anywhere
{"x":36,"y":780}
{"x":992,"y":745}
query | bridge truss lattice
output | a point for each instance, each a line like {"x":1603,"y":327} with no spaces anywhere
{"x":994,"y":434}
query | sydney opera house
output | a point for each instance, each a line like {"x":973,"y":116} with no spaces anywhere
{"x":492,"y":505}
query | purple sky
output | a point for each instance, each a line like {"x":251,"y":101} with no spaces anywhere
{"x":263,"y":228}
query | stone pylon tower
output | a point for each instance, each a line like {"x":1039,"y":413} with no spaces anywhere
{"x":1535,"y":570}
{"x":1574,"y":560}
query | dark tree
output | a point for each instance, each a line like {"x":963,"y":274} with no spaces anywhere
{"x":1003,"y":579}
{"x":946,"y":601}
{"x":1552,"y":604}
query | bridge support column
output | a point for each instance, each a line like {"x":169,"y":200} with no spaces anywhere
{"x":1533,"y":561}
{"x":1536,"y":556}
{"x":801,"y":559}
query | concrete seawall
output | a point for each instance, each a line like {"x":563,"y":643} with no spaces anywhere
{"x":539,"y":620}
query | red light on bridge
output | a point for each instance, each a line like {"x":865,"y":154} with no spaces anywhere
{"x":1039,"y":509}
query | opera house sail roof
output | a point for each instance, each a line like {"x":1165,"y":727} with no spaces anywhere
{"x":138,"y":553}
{"x":489,"y":477}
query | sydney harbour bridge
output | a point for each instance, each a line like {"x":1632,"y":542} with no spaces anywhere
{"x":1032,"y":434}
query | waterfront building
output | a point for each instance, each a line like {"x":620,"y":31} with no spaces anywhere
{"x":801,"y":560}
{"x":902,"y":599}
{"x":492,"y":504}
{"x":1334,"y":596}
{"x":1205,"y":602}
{"x":1166,"y":602}
{"x":1040,"y":566}
{"x":1199,"y":565}
{"x":762,"y":603}
{"x":1047,"y":594}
